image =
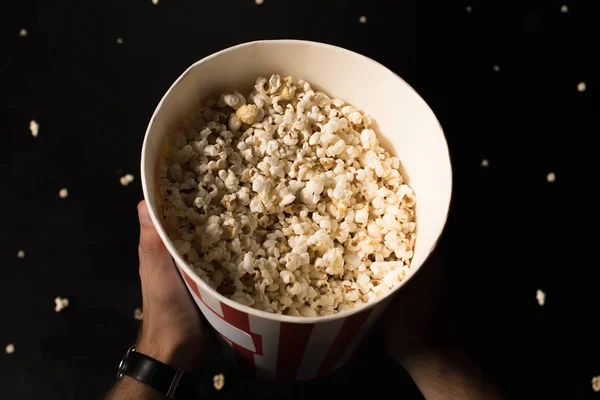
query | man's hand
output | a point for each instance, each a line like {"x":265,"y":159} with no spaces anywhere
{"x":419,"y":336}
{"x":172,"y":328}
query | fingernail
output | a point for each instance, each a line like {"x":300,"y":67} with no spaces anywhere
{"x":144,"y":215}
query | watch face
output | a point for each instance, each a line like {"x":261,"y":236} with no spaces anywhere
{"x":120,"y":369}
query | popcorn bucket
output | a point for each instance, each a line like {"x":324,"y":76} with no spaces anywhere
{"x":288,"y":347}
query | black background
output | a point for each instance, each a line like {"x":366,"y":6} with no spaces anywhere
{"x":510,"y":232}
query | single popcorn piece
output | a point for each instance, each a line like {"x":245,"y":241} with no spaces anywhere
{"x":155,"y":2}
{"x":596,"y":383}
{"x":362,"y":19}
{"x":283,"y":200}
{"x":34,"y":127}
{"x":20,"y":254}
{"x":126,"y":179}
{"x":541,"y":297}
{"x":259,"y":2}
{"x":219,"y":381}
{"x":246,"y":113}
{"x":468,"y":9}
{"x":23,"y":32}
{"x":496,"y":68}
{"x":485,"y":163}
{"x":10,"y":348}
{"x":119,"y":41}
{"x":63,"y":193}
{"x":581,"y":87}
{"x":138,"y":314}
{"x":564,"y":9}
{"x":60,"y":304}
{"x":551,"y":177}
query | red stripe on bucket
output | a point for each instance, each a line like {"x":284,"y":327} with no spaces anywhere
{"x":293,"y":339}
{"x":191,"y":283}
{"x":342,"y":341}
{"x":240,"y":320}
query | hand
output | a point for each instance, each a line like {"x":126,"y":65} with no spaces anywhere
{"x":415,"y":319}
{"x":419,"y":336}
{"x":172,"y":327}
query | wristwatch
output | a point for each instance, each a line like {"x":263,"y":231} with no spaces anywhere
{"x":172,"y":382}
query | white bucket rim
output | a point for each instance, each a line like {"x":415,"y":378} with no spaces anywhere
{"x":232,"y":303}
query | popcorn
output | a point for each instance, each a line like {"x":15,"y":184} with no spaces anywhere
{"x":564,"y":9}
{"x":20,"y":254}
{"x":362,"y":19}
{"x":119,"y":41}
{"x":596,"y":383}
{"x":34,"y":127}
{"x":138,"y":314}
{"x":496,"y":68}
{"x":219,"y":381}
{"x":246,"y":113}
{"x":581,"y":87}
{"x":23,"y":32}
{"x":485,"y":163}
{"x":283,"y":200}
{"x":126,"y":179}
{"x":10,"y":348}
{"x":60,"y":304}
{"x":63,"y":193}
{"x":540,"y":297}
{"x":551,"y":177}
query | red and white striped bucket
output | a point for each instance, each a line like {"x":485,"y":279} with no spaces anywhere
{"x":286,"y":347}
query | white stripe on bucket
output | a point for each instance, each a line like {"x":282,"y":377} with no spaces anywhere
{"x":228,"y":331}
{"x":321,"y":339}
{"x":211,"y":301}
{"x":269,"y":330}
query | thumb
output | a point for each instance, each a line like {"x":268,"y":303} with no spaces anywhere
{"x":151,"y":246}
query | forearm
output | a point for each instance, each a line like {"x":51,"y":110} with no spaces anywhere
{"x":448,"y":374}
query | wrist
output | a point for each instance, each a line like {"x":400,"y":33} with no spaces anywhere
{"x":184,"y":356}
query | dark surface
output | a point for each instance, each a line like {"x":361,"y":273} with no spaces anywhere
{"x":510,"y":232}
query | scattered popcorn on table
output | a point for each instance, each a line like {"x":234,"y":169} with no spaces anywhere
{"x":23,"y":32}
{"x":469,"y":9}
{"x":20,"y":254}
{"x":60,"y":304}
{"x":485,"y":163}
{"x":496,"y":68}
{"x":218,"y":381}
{"x":564,"y":9}
{"x":283,"y":200}
{"x":119,"y":41}
{"x":596,"y":383}
{"x":138,"y":314}
{"x":541,"y":297}
{"x":126,"y":180}
{"x":362,"y":19}
{"x":34,"y":127}
{"x":10,"y":348}
{"x":63,"y":193}
{"x":259,"y":2}
{"x":551,"y":177}
{"x":581,"y":86}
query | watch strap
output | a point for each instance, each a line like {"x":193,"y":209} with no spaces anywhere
{"x":173,"y":382}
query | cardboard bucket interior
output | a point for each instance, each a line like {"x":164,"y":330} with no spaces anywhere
{"x":284,"y":347}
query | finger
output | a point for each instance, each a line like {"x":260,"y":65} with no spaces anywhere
{"x":152,"y":249}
